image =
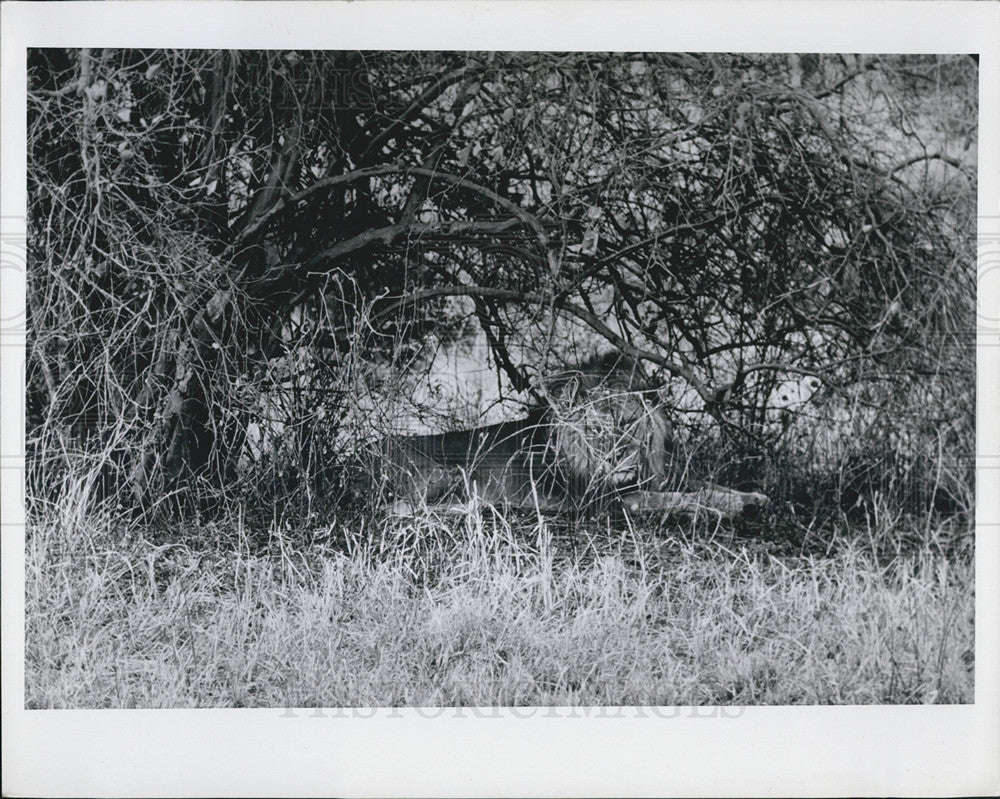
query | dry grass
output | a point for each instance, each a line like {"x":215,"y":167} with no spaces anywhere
{"x":425,"y":614}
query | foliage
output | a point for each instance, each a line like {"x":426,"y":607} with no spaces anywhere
{"x":247,"y":266}
{"x":240,"y":260}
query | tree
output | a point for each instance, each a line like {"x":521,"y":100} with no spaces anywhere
{"x":206,"y":225}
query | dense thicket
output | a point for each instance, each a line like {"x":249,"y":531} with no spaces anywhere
{"x":228,"y":244}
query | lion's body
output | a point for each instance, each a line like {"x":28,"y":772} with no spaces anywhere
{"x":507,"y":463}
{"x":600,"y":435}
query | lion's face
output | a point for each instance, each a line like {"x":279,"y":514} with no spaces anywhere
{"x":610,"y":438}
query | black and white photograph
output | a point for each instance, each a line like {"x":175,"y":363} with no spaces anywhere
{"x":516,"y":378}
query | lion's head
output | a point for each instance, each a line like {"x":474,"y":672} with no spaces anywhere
{"x":607,"y":430}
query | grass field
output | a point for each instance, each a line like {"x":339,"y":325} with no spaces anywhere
{"x":474,"y":612}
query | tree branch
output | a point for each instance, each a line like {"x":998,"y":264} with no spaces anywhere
{"x":590,"y":319}
{"x":371,"y":172}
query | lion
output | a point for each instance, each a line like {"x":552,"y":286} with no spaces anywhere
{"x":599,"y":438}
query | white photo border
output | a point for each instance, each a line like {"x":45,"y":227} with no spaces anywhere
{"x":817,"y":751}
